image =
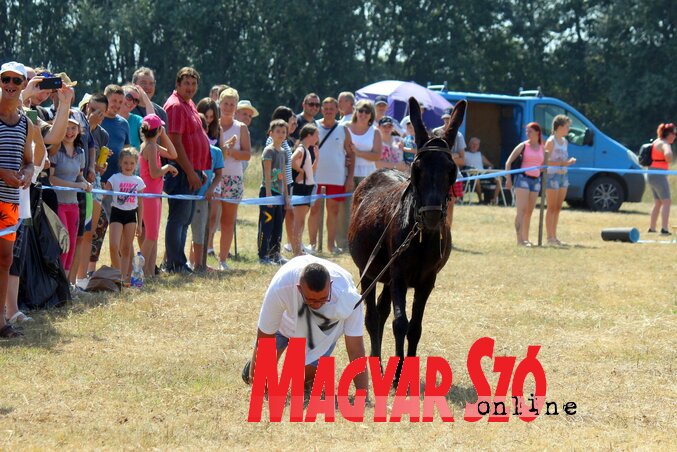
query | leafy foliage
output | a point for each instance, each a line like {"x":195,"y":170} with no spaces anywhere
{"x":614,"y":61}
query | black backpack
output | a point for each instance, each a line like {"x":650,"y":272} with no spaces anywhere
{"x":644,"y":154}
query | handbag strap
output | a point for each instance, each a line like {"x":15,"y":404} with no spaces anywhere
{"x":327,"y":135}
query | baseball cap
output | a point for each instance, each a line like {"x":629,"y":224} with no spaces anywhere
{"x":153,"y":121}
{"x":13,"y":66}
{"x":380,"y":100}
{"x":406,"y":120}
{"x":386,"y":120}
{"x":247,"y":105}
{"x":447,"y":113}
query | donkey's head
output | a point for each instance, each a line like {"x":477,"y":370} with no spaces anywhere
{"x":433,"y":171}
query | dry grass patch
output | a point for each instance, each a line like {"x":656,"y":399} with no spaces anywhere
{"x":160,"y":368}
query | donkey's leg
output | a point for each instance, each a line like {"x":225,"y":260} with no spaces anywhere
{"x":371,"y":319}
{"x":421,"y":294}
{"x":398,"y":292}
{"x":383,"y":313}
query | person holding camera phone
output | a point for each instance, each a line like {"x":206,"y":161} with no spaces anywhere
{"x":16,"y":171}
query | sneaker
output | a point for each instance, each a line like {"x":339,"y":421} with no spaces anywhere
{"x":336,"y":251}
{"x":665,"y":232}
{"x":279,"y":260}
{"x":223,"y":266}
{"x":266,"y":261}
{"x":19,"y":317}
{"x":651,"y":231}
{"x":310,"y":249}
{"x":211,"y":253}
{"x":287,"y":248}
{"x":82,"y":283}
{"x":76,"y":292}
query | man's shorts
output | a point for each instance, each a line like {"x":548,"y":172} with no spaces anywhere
{"x":332,"y":190}
{"x":9,"y":216}
{"x":281,"y":343}
{"x":533,"y":184}
{"x":456,"y":190}
{"x":557,"y":181}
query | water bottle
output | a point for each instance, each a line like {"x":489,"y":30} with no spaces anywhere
{"x":137,"y":271}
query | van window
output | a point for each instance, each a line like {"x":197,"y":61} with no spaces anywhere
{"x":545,"y":113}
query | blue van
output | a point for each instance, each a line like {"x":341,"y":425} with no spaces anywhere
{"x":499,"y":121}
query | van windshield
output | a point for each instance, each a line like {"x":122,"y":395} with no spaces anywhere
{"x":545,"y":113}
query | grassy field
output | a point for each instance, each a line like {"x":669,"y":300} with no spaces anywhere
{"x":160,"y":368}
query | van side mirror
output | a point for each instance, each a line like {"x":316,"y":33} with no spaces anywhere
{"x":588,"y":137}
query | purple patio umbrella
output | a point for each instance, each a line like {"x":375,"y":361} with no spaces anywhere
{"x":400,"y":92}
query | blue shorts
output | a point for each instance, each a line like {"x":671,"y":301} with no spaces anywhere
{"x":557,"y":181}
{"x":281,"y":343}
{"x":533,"y":184}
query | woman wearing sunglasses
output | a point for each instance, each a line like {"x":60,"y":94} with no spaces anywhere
{"x":366,"y":139}
{"x":133,"y":98}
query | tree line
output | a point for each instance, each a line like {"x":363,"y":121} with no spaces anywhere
{"x":615,"y":61}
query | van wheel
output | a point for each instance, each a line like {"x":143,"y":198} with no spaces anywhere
{"x":604,"y":194}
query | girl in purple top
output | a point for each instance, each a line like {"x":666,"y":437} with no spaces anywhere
{"x":527,"y":184}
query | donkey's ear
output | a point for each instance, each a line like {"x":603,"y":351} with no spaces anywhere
{"x":416,"y":121}
{"x":456,"y":120}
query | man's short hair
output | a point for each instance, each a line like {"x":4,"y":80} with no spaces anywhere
{"x":141,"y":72}
{"x":277,"y":123}
{"x":113,"y":89}
{"x":308,"y":96}
{"x":348,"y":95}
{"x":330,"y":100}
{"x":187,"y":72}
{"x":316,"y":276}
{"x":99,"y":97}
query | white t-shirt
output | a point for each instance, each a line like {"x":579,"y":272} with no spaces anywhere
{"x":474,"y":159}
{"x":307,"y":167}
{"x":232,"y":167}
{"x":331,"y":163}
{"x":128,"y":184}
{"x":282,"y":302}
{"x":364,"y":143}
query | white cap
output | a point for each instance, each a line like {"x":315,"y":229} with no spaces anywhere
{"x":13,"y":66}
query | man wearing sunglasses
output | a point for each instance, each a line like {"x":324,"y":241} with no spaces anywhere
{"x":311,"y":107}
{"x":16,"y":171}
{"x":315,"y":299}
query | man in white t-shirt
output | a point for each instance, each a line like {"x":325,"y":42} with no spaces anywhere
{"x":346,"y":103}
{"x":334,"y":173}
{"x":315,"y":299}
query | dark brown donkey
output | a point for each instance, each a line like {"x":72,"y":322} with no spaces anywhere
{"x":388,"y":204}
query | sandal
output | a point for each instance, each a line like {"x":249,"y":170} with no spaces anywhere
{"x":19,"y":317}
{"x":8,"y":332}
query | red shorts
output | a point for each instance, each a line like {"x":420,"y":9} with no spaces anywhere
{"x":332,"y":190}
{"x":9,"y":216}
{"x":456,"y":190}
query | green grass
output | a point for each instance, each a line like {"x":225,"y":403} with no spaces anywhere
{"x":160,"y":368}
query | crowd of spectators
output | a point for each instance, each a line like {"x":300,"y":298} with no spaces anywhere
{"x":120,"y":139}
